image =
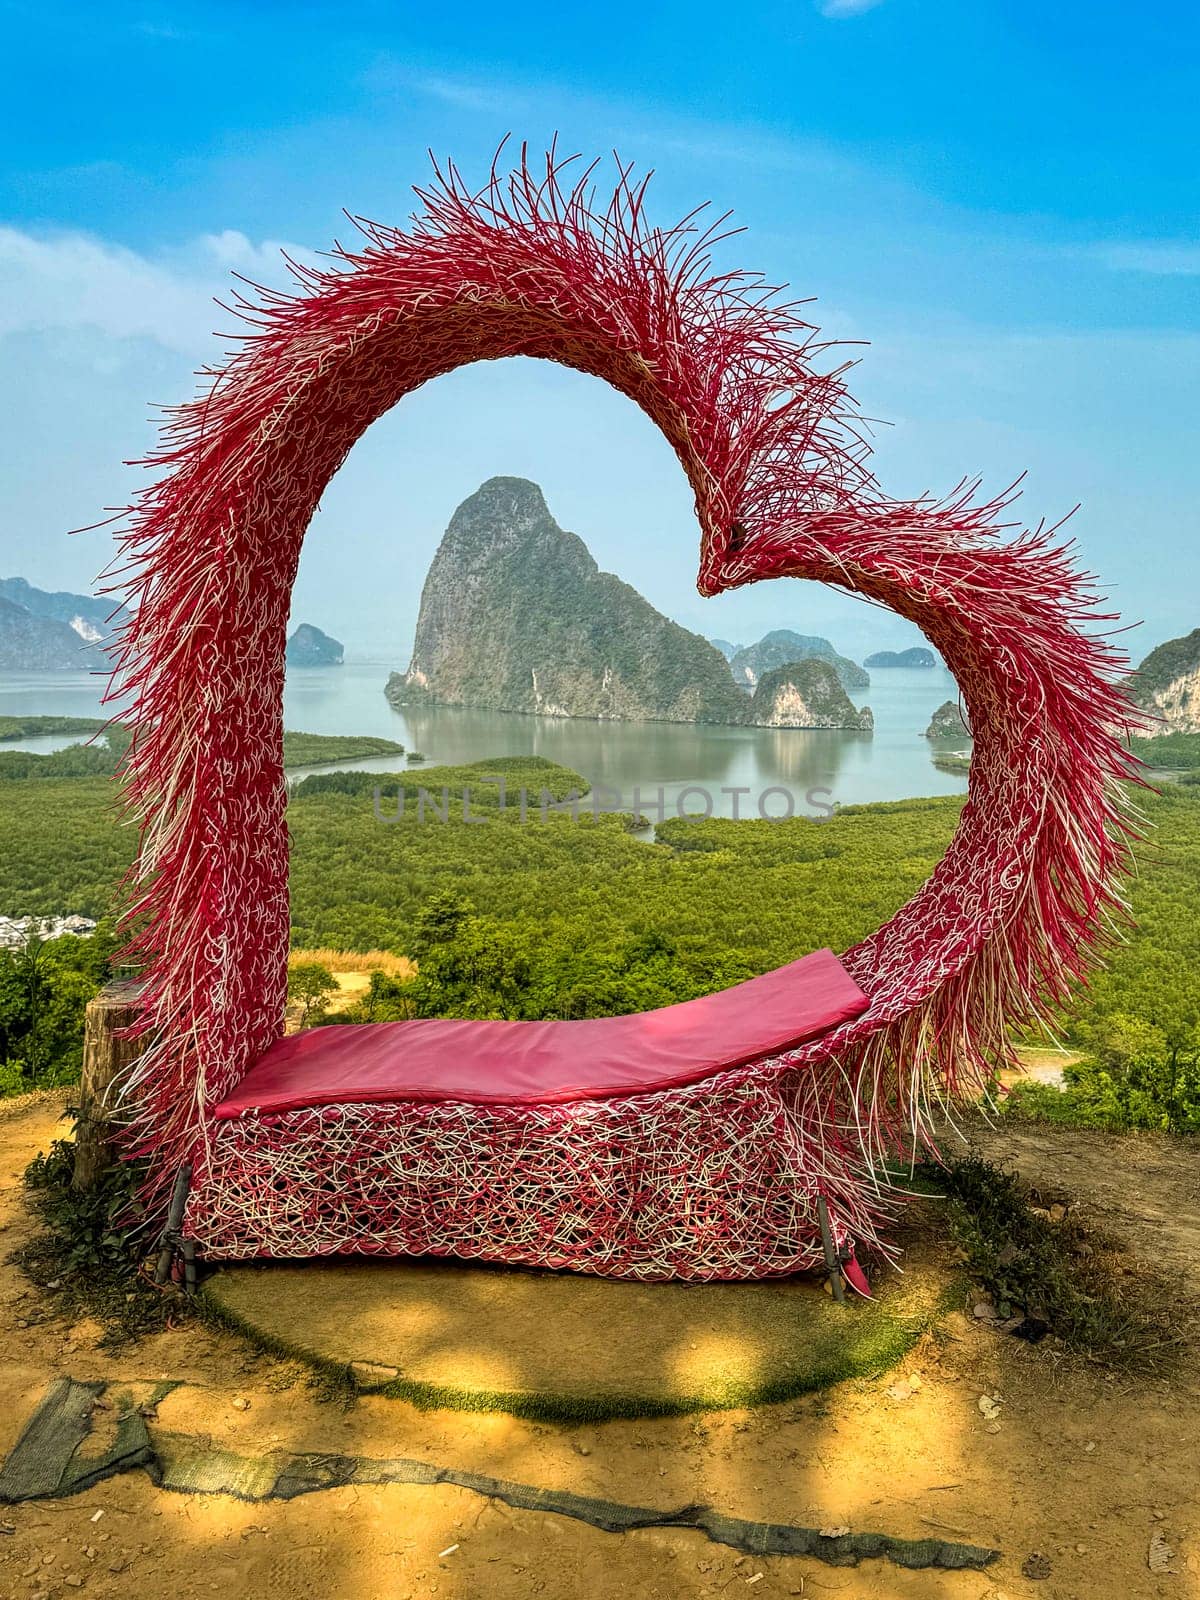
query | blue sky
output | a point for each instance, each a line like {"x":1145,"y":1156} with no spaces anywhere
{"x":1000,"y":197}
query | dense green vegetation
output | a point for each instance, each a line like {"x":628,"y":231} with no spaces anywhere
{"x":1170,"y":751}
{"x":65,"y":849}
{"x":1134,"y":1076}
{"x":44,"y":988}
{"x":472,"y":966}
{"x":42,"y":727}
{"x":574,"y":895}
{"x":315,"y":749}
{"x":1139,"y":1023}
{"x":1155,"y":975}
{"x":562,"y":915}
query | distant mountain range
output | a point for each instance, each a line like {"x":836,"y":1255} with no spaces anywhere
{"x":53,"y":631}
{"x":778,"y":648}
{"x":517,"y":616}
{"x":57,"y":631}
{"x":917,"y":656}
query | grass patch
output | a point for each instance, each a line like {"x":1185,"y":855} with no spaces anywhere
{"x":364,"y":961}
{"x":1044,"y":1266}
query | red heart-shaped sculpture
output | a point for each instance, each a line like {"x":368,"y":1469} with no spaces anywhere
{"x":731,"y":375}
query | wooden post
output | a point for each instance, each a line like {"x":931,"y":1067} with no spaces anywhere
{"x":105,"y":1053}
{"x":832,"y":1264}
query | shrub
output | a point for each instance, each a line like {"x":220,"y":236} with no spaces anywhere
{"x":92,"y":1245}
{"x":94,"y":1230}
{"x":1059,"y":1277}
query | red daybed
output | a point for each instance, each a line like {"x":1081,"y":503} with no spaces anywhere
{"x":547,"y":1063}
{"x":688,"y":1142}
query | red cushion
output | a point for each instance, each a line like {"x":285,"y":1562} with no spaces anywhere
{"x":530,"y":1063}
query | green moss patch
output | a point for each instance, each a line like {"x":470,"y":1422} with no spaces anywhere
{"x":565,"y":1347}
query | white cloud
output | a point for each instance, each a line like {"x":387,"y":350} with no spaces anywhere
{"x":846,"y":8}
{"x":72,"y":280}
{"x":90,"y":331}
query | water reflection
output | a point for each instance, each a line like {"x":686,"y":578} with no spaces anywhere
{"x":850,"y":767}
{"x":853,"y":767}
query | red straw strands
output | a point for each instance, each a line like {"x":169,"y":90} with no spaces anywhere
{"x":732,"y":376}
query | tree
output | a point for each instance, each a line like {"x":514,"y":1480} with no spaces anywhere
{"x":1136,"y":1076}
{"x":311,"y":985}
{"x":439,"y":921}
{"x":474,"y":969}
{"x":45,"y":986}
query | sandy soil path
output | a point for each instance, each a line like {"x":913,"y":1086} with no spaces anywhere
{"x":1080,"y":1468}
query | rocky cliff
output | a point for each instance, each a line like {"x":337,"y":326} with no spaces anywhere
{"x":782,"y":647}
{"x":806,"y":694}
{"x":516,"y":616}
{"x":1167,"y":684}
{"x":309,"y":647}
{"x":30,"y":643}
{"x":947,"y":723}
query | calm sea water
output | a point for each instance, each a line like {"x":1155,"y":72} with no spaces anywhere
{"x":814,"y":768}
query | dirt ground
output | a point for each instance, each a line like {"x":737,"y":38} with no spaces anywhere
{"x":1079,"y":1466}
